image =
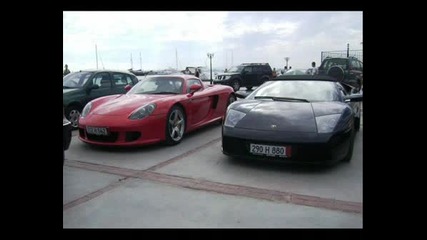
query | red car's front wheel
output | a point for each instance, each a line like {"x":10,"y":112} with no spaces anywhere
{"x":175,"y":125}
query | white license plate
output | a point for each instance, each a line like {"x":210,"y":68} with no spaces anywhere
{"x":270,"y":150}
{"x":97,"y":131}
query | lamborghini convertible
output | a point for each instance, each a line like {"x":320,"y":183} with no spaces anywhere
{"x":294,"y":118}
{"x":160,"y":108}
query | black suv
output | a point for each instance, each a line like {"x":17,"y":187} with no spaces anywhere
{"x":347,"y":70}
{"x":245,"y":75}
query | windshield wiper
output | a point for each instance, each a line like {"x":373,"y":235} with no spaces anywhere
{"x":285,"y":99}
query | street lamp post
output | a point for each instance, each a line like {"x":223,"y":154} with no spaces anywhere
{"x":210,"y":56}
{"x":287,"y":60}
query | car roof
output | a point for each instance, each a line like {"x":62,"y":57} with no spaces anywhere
{"x":182,"y":76}
{"x":106,"y":70}
{"x":305,"y":77}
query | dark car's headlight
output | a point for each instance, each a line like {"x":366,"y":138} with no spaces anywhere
{"x":142,"y":112}
{"x":327,"y":123}
{"x":86,"y":110}
{"x":233,"y":117}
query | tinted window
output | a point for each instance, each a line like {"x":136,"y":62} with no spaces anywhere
{"x":121,"y":79}
{"x":103,"y":80}
{"x":314,"y":91}
{"x":247,"y":69}
{"x":76,"y":79}
{"x":340,"y":62}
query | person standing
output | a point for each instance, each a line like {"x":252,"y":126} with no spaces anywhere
{"x":66,"y":70}
{"x":197,"y":74}
{"x":313,"y":70}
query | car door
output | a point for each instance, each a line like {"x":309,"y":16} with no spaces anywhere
{"x":103,"y":80}
{"x":198,"y":104}
{"x":249,"y":76}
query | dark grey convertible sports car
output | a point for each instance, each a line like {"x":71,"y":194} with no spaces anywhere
{"x":295,"y":118}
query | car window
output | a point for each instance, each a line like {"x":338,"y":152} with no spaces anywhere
{"x":121,"y":79}
{"x":340,"y":62}
{"x":102,"y":80}
{"x":158,"y":84}
{"x":76,"y":79}
{"x":247,"y":69}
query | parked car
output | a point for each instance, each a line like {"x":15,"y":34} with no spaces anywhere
{"x":83,"y":86}
{"x":245,"y":75}
{"x":347,"y":70}
{"x":294,"y":118}
{"x":161,"y":108}
{"x":66,"y":135}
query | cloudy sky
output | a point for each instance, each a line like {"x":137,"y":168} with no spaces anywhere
{"x":175,"y":39}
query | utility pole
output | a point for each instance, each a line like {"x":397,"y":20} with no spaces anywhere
{"x":131,"y":62}
{"x":348,"y":50}
{"x":96,"y":54}
{"x":176,"y":58}
{"x":140,"y":61}
{"x":210,"y":56}
{"x":231,"y":57}
{"x":287,"y":60}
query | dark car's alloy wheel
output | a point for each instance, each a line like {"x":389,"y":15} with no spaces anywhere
{"x":357,"y":123}
{"x":231,"y":99}
{"x":73,"y":115}
{"x":349,"y":154}
{"x":175,"y":126}
{"x":236,"y":85}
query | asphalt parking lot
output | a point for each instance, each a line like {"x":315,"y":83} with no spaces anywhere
{"x":193,"y":185}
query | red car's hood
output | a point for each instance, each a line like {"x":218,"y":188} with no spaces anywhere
{"x":125,"y":104}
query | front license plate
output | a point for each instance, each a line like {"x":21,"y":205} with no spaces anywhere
{"x":270,"y":150}
{"x":97,"y":131}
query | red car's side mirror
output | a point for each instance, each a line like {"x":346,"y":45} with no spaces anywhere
{"x":127,"y":88}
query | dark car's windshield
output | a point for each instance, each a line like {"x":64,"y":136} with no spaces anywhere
{"x":76,"y":79}
{"x":340,"y":62}
{"x":312,"y":91}
{"x":158,"y":85}
{"x":236,"y":69}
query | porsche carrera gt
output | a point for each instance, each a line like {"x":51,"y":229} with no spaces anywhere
{"x":159,"y":108}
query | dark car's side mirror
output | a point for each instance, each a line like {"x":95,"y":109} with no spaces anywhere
{"x":354,"y":98}
{"x":91,"y":87}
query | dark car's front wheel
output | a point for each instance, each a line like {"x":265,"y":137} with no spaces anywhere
{"x":235,"y":85}
{"x":73,"y":114}
{"x":175,"y":125}
{"x":349,"y":154}
{"x":357,"y":123}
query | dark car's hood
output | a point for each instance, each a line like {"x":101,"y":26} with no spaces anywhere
{"x":68,"y":90}
{"x":284,"y":116}
{"x":126,"y":104}
{"x":228,"y":73}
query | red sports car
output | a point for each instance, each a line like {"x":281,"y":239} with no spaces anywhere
{"x":159,"y":108}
